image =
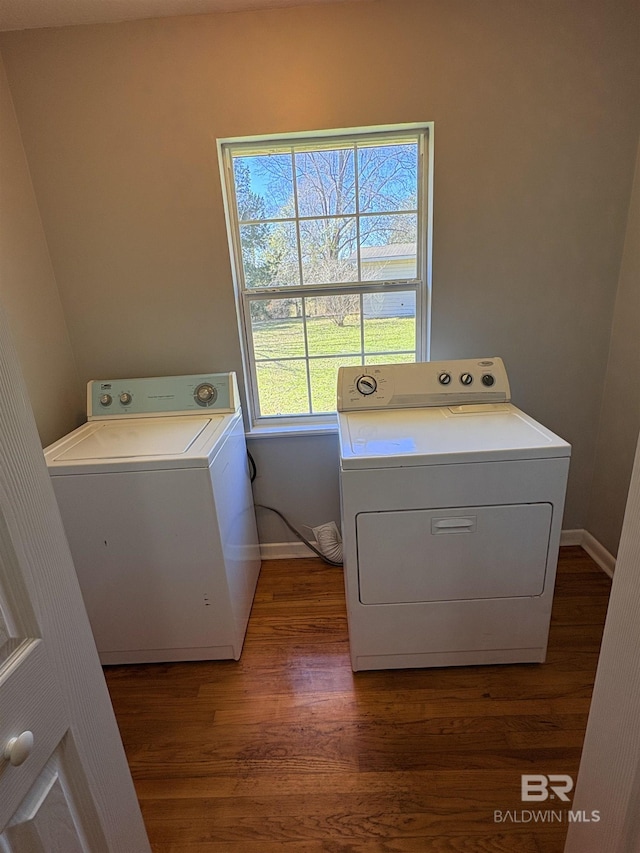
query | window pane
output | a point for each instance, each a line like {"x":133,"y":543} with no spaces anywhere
{"x":388,"y":177}
{"x":277,"y":328}
{"x":328,"y":248}
{"x":388,"y":229}
{"x":389,"y":321}
{"x":270,"y":255}
{"x":264,"y":186}
{"x":326,"y":182}
{"x":391,"y":358}
{"x":324,"y":381}
{"x":333,"y":324}
{"x":388,"y":247}
{"x":282,"y":387}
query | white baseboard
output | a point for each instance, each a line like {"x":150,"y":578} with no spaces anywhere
{"x":597,"y":551}
{"x":571,"y":537}
{"x":285,"y":551}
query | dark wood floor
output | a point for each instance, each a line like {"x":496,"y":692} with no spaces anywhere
{"x":287,"y":751}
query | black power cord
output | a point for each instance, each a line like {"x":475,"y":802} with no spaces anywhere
{"x":252,"y":466}
{"x":299,"y":535}
{"x":253,"y":471}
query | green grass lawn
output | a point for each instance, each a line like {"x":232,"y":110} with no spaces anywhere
{"x":282,"y":382}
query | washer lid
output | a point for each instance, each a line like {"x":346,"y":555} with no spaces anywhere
{"x":438,"y":436}
{"x":135,"y":438}
{"x":138,"y":444}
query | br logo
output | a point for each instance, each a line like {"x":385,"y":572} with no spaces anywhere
{"x":538,"y":788}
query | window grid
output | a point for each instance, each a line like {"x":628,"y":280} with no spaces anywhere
{"x":359,"y":288}
{"x":306,"y":353}
{"x":307,"y":358}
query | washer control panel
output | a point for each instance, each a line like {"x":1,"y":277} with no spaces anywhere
{"x":427,"y":383}
{"x":162,"y":395}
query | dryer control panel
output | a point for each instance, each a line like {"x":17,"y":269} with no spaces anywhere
{"x":426,"y":383}
{"x":157,"y":396}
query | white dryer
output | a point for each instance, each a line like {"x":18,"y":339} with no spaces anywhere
{"x":452,"y":502}
{"x":156,"y":502}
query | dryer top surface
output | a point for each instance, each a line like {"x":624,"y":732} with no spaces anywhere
{"x":444,"y":435}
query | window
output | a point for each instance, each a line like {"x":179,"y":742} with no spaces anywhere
{"x":330,"y":241}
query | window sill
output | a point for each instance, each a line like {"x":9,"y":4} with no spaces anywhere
{"x":292,"y":429}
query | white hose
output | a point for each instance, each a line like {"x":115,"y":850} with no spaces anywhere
{"x":329,"y":541}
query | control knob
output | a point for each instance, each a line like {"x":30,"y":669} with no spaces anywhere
{"x":444,"y":378}
{"x":205,"y":394}
{"x":366,"y":385}
{"x":106,"y":399}
{"x":488,"y":380}
{"x":125,"y":398}
{"x":466,"y":379}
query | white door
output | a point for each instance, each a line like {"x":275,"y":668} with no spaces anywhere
{"x":64,"y":782}
{"x":607,"y":797}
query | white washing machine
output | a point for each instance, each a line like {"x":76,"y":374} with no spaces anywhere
{"x":156,"y":501}
{"x":452,"y":502}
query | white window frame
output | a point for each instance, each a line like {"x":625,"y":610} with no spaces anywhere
{"x":421,"y":285}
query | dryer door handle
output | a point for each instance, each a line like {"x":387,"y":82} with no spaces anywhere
{"x":455,"y":524}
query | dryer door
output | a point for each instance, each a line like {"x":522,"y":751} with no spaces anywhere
{"x":453,"y":554}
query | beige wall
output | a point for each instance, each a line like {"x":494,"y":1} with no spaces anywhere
{"x":28,"y":292}
{"x":620,"y":419}
{"x":536,"y":113}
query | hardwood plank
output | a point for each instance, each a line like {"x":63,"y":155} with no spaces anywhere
{"x":289,"y":750}
{"x":498,"y":843}
{"x":395,"y":705}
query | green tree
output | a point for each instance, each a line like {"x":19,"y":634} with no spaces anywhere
{"x":254,"y":234}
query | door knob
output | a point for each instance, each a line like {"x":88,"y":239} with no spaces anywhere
{"x":18,"y":749}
